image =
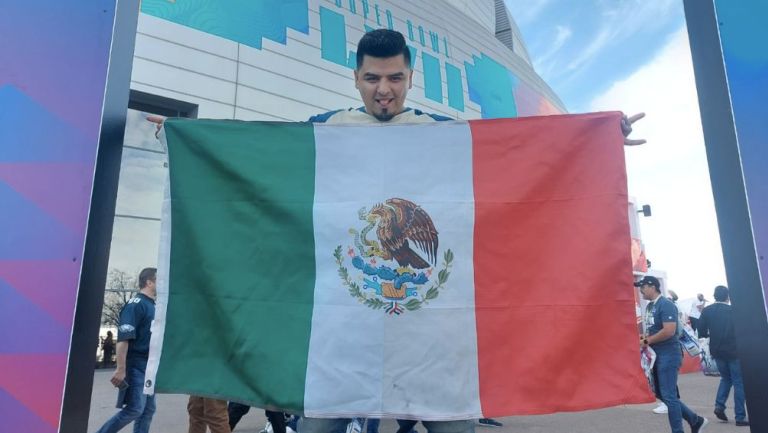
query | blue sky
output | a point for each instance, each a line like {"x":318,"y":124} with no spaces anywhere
{"x":581,"y":47}
{"x":633,"y":56}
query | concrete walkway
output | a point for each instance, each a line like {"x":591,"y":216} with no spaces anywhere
{"x":697,"y":391}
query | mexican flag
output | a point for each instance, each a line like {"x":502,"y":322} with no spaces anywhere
{"x":438,"y":271}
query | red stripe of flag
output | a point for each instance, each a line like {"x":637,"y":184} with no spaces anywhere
{"x":553,"y":271}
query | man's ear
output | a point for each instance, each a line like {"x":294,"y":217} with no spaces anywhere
{"x":355,"y":75}
{"x":410,"y":79}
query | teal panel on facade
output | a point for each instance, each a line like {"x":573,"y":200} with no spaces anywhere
{"x":433,"y":81}
{"x":295,"y":14}
{"x":455,"y":87}
{"x":243,"y":21}
{"x":352,"y":60}
{"x":333,"y":37}
{"x":491,"y":86}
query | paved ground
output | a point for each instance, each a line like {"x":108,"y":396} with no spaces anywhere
{"x":697,"y":390}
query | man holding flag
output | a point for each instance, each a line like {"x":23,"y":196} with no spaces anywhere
{"x":383,"y":77}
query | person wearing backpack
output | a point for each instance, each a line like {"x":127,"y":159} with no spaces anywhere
{"x":661,"y":334}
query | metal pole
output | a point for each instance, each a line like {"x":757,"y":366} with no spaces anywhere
{"x":90,"y":298}
{"x":731,"y":203}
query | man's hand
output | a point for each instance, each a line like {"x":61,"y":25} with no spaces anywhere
{"x":158,"y":121}
{"x":626,"y":129}
{"x":118,"y":377}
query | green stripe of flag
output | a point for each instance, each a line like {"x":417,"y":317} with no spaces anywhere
{"x":244,"y":285}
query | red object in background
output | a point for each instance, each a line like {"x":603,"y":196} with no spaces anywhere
{"x":691,"y":364}
{"x":639,"y":263}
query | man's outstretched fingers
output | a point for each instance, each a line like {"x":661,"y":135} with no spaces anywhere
{"x":626,"y":129}
{"x":158,"y":121}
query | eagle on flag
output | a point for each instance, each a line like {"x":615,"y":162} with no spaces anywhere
{"x":398,"y":221}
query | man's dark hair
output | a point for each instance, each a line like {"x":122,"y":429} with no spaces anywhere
{"x":147,"y":274}
{"x":721,"y":294}
{"x":382,"y":43}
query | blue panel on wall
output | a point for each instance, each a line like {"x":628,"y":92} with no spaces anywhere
{"x":243,"y":21}
{"x":433,"y":81}
{"x":490,"y":85}
{"x":333,"y":37}
{"x":742,"y":27}
{"x":455,"y":87}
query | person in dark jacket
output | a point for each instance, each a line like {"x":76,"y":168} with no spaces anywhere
{"x":108,"y":349}
{"x":716,"y":322}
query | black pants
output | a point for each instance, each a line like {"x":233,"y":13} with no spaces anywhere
{"x":406,"y":425}
{"x":238,"y":410}
{"x":694,"y":323}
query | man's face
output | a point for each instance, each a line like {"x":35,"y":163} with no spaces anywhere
{"x":151,"y":287}
{"x":648,"y":291}
{"x":383,"y":84}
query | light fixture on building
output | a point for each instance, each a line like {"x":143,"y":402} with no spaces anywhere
{"x":645,"y":210}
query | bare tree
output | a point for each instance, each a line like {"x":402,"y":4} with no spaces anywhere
{"x":121,"y":286}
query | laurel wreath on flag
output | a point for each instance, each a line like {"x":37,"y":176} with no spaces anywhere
{"x":376,"y":303}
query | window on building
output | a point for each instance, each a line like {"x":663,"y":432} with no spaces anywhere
{"x":136,"y":230}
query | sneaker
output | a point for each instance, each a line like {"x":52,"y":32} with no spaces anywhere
{"x":720,"y":414}
{"x":742,"y":423}
{"x":490,"y":422}
{"x":700,"y":424}
{"x":661,"y":408}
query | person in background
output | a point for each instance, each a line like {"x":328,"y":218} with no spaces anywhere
{"x":672,"y":296}
{"x":661,"y":335}
{"x":207,"y":413}
{"x":238,"y":410}
{"x":489,"y":422}
{"x":696,"y":310}
{"x":133,"y":335}
{"x":107,"y":350}
{"x":716,"y":322}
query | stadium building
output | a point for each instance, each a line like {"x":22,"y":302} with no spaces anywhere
{"x":285,"y":60}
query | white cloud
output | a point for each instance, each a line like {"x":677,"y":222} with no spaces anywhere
{"x":620,"y":20}
{"x":546,"y":60}
{"x":597,"y":45}
{"x":670,"y":172}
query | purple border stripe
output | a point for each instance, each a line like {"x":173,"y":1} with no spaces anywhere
{"x":14,"y":413}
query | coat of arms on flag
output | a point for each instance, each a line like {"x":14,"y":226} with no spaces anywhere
{"x":390,"y":269}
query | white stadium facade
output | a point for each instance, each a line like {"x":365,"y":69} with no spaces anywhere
{"x":285,"y":60}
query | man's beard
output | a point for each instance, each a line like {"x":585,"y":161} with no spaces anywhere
{"x":384,"y":116}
